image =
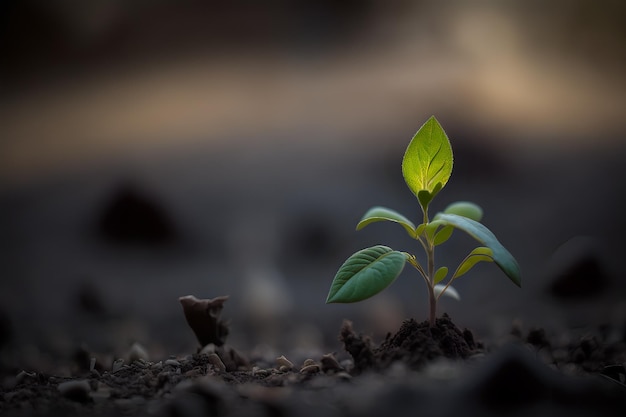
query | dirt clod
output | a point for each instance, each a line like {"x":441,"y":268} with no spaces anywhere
{"x":415,"y":344}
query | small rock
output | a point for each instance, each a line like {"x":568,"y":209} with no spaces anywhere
{"x":117,"y":365}
{"x":310,"y":369}
{"x":216,"y":362}
{"x":76,"y":390}
{"x":256,"y":371}
{"x":330,"y":364}
{"x":233,"y":360}
{"x":308,"y":362}
{"x":24,"y":376}
{"x":172,"y":362}
{"x":284,"y":363}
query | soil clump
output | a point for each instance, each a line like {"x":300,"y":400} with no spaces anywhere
{"x":415,"y":344}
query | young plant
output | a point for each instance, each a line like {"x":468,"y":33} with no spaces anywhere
{"x":426,"y":167}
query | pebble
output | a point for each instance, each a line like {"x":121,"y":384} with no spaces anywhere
{"x":77,"y":390}
{"x":256,"y":371}
{"x":24,"y":376}
{"x":284,"y":364}
{"x":310,"y":369}
{"x":216,"y":362}
{"x":330,"y":363}
{"x":172,"y":362}
{"x":117,"y":365}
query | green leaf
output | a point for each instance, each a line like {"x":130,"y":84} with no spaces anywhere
{"x":478,"y":231}
{"x":378,"y":214}
{"x":443,"y":235}
{"x":481,"y":254}
{"x":431,"y":228}
{"x":465,"y":209}
{"x":450,"y":292}
{"x":427,"y":162}
{"x":440,"y":274}
{"x":366,"y":273}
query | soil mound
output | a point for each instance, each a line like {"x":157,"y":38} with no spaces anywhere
{"x":415,"y":344}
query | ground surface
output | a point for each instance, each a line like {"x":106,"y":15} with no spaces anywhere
{"x":440,"y":370}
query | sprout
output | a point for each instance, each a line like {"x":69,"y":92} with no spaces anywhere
{"x":426,"y":167}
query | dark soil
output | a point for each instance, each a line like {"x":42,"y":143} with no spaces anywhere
{"x":435,"y":370}
{"x":415,"y":344}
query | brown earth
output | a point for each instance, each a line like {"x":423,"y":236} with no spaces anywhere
{"x":440,"y":369}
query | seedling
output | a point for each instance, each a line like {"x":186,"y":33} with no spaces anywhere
{"x":426,"y":167}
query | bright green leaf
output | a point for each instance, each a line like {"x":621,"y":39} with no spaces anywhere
{"x":378,"y":214}
{"x":427,"y":162}
{"x":450,"y":292}
{"x":440,"y":274}
{"x":366,"y":273}
{"x":481,"y":254}
{"x":478,"y":231}
{"x":465,"y":209}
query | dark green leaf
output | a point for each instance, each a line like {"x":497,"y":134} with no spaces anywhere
{"x":366,"y":273}
{"x":377,"y":214}
{"x":478,"y":231}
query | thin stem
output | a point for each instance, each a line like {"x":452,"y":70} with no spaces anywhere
{"x":445,"y":288}
{"x":432,"y":300}
{"x":429,"y":248}
{"x":419,"y":268}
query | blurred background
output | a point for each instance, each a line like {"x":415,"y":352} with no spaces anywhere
{"x":155,"y":149}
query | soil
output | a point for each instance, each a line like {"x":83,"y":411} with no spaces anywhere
{"x":440,"y":369}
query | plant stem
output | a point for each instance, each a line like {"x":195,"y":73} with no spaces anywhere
{"x":432,"y":303}
{"x":432,"y":300}
{"x":429,"y":247}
